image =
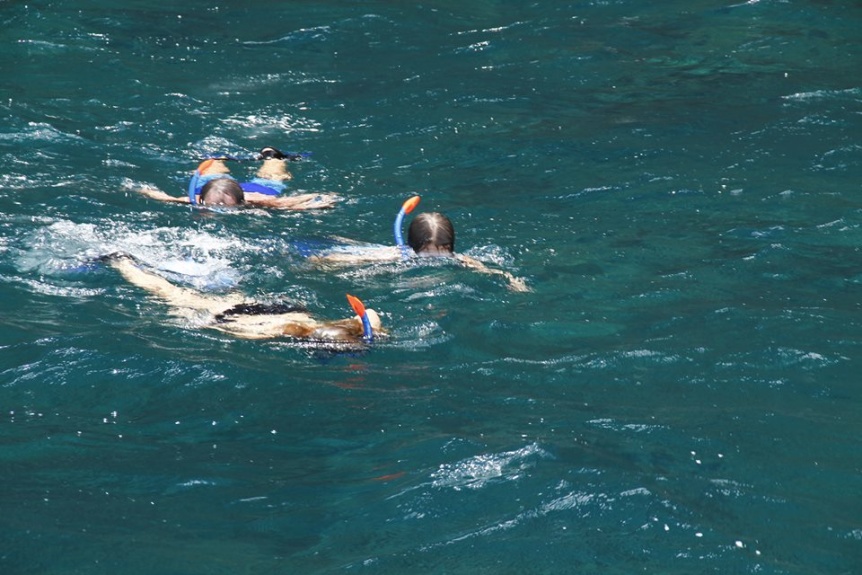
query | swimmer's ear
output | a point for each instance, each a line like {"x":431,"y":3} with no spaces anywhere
{"x":374,"y":318}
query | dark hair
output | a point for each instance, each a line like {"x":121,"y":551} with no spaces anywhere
{"x":270,"y":153}
{"x":431,"y":232}
{"x":222,"y":192}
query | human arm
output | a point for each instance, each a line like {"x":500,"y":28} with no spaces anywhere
{"x":171,"y":294}
{"x":156,"y":194}
{"x":296,"y":202}
{"x":515,"y":283}
{"x":210,"y":167}
{"x":256,"y":200}
{"x":356,"y":254}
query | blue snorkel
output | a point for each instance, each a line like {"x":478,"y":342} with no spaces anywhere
{"x":193,"y":184}
{"x":359,"y":308}
{"x":406,"y":208}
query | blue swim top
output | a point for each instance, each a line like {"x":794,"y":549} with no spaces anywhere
{"x":257,"y":185}
{"x":264,"y":186}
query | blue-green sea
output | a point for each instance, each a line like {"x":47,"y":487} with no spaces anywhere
{"x":679,"y":183}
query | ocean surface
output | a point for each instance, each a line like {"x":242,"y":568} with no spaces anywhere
{"x":679,"y":183}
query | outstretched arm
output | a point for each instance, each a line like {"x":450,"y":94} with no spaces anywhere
{"x":157,"y":194}
{"x":207,"y":168}
{"x":298,"y":202}
{"x":253,"y":199}
{"x":351,"y":255}
{"x":515,"y":283}
{"x":174,"y":296}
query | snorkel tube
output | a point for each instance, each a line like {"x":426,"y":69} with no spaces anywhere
{"x":359,"y":308}
{"x":193,"y":184}
{"x":406,"y":208}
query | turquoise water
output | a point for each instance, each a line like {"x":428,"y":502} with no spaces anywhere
{"x":679,"y":183}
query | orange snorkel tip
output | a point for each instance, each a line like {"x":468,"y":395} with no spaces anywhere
{"x":356,"y":304}
{"x":359,"y":308}
{"x":410,"y":203}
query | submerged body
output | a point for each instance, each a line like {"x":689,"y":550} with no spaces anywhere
{"x":430,"y":235}
{"x":213,"y":185}
{"x":235,"y":315}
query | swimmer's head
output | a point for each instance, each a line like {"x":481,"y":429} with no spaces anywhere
{"x":431,"y":234}
{"x":222,"y":192}
{"x":344,"y":330}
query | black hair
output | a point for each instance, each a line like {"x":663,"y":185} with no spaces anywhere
{"x":270,"y":153}
{"x":222,"y":192}
{"x":431,"y":232}
{"x":259,"y":309}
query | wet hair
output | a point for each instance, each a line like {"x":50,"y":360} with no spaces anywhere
{"x":270,"y":153}
{"x":430,"y":233}
{"x":222,"y":192}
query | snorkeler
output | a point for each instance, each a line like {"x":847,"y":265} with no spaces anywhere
{"x":212,"y":185}
{"x":429,"y":235}
{"x":239,"y":317}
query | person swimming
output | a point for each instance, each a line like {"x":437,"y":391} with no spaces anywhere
{"x":212,"y":185}
{"x":246,"y":319}
{"x":430,"y":234}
